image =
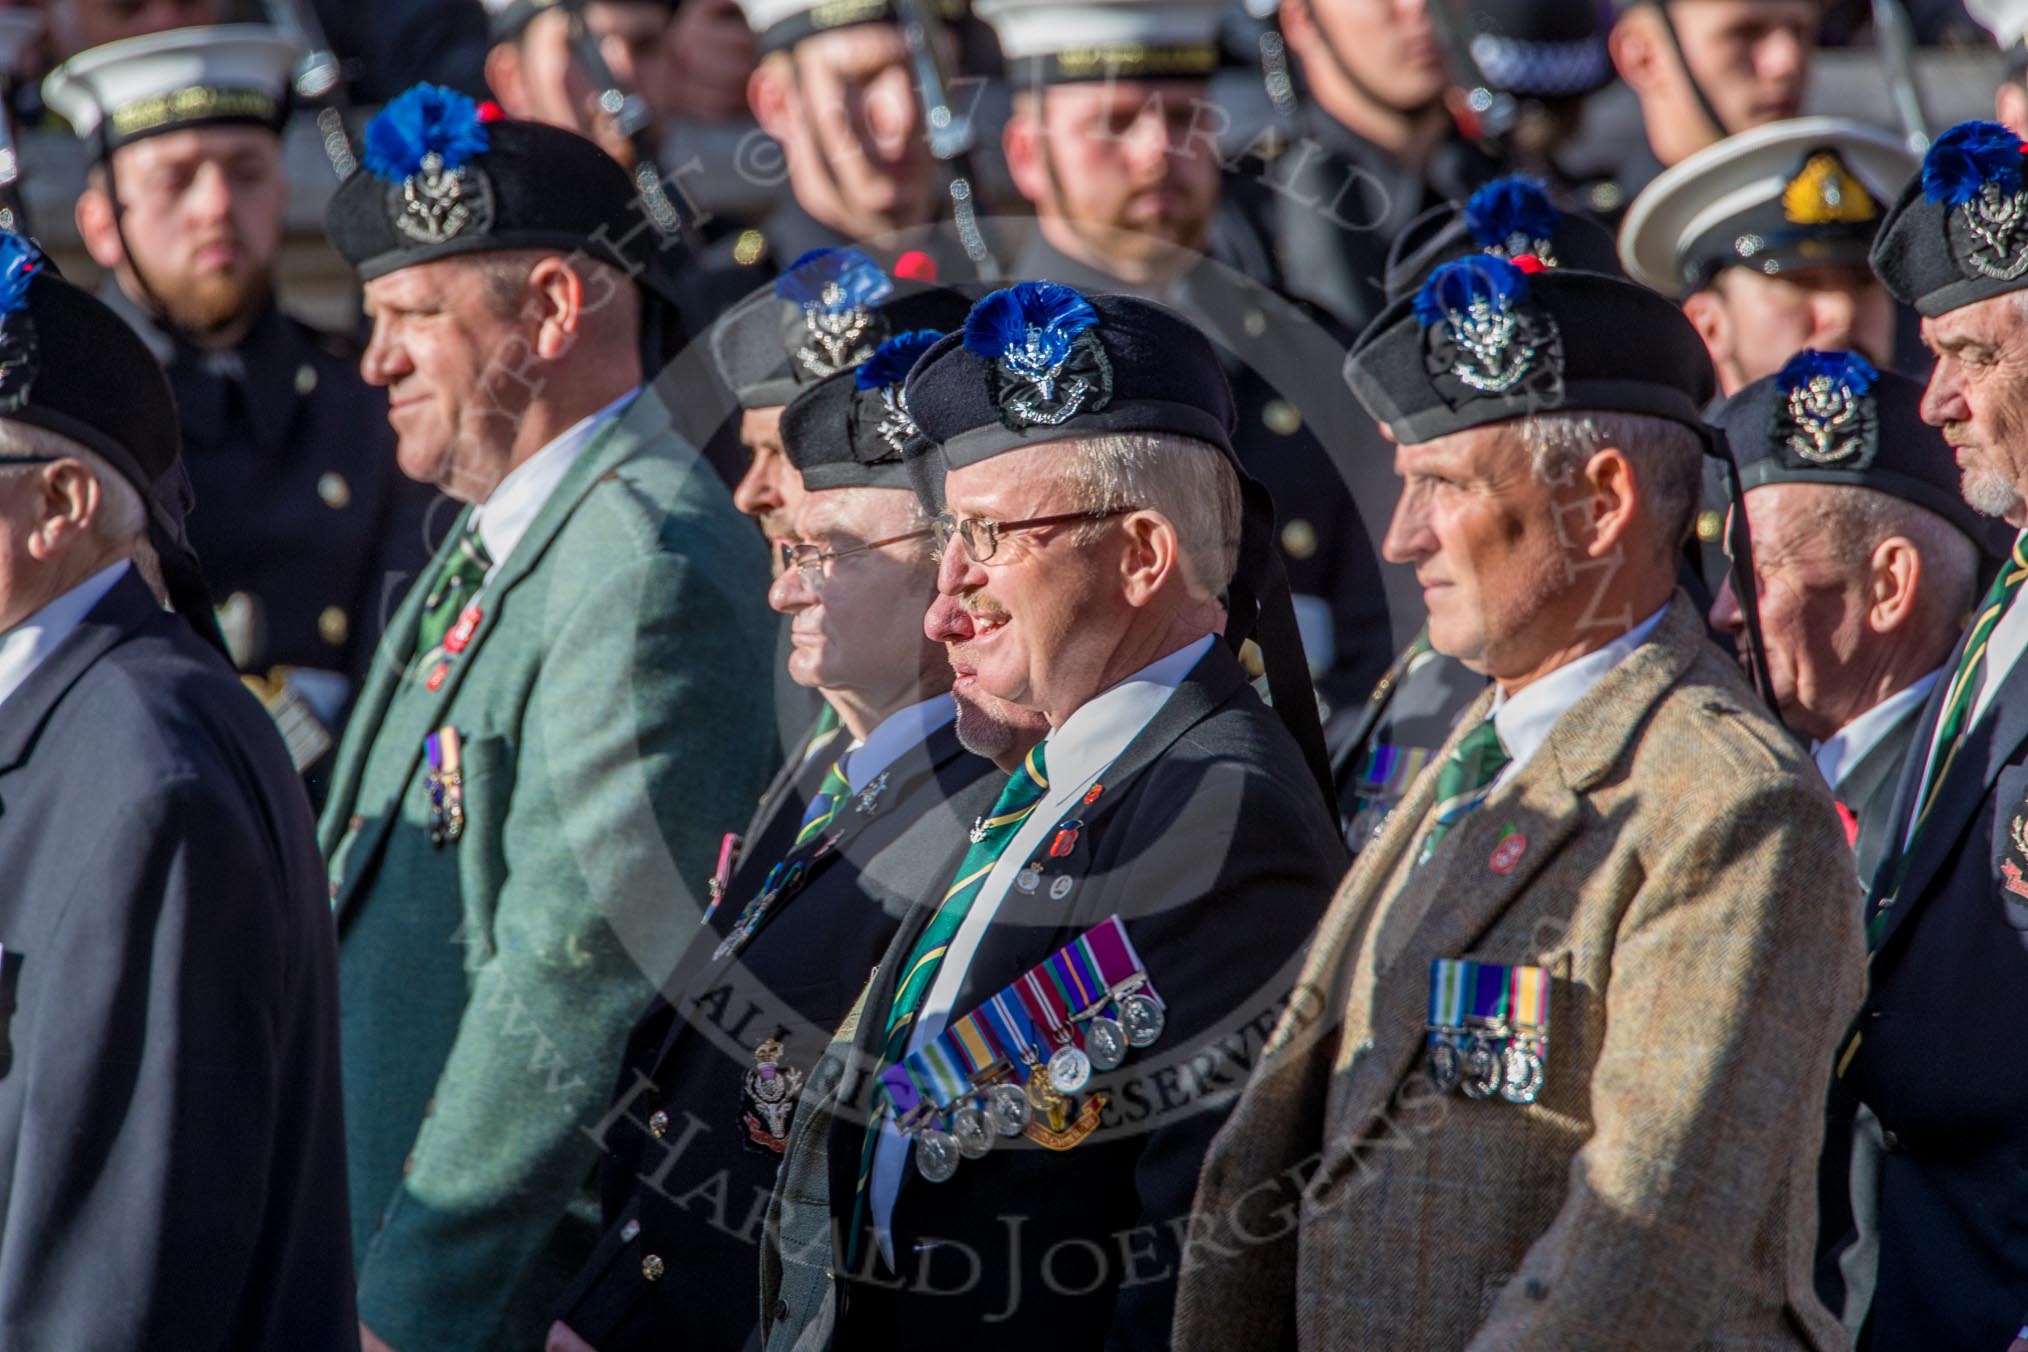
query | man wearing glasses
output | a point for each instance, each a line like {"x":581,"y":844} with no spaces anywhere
{"x":713,"y":1073}
{"x":1090,"y":558}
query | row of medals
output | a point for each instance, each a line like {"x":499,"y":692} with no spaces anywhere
{"x":1000,"y":1108}
{"x":1486,"y":1061}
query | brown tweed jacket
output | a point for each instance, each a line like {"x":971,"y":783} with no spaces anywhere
{"x":1685,"y":880}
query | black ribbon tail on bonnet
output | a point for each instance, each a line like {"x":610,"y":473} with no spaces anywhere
{"x":1739,"y":546}
{"x":169,"y":502}
{"x":1259,"y":605}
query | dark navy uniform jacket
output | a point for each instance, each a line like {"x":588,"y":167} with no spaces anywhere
{"x":1939,"y":1058}
{"x":172,"y":1158}
{"x":300,"y":507}
{"x":686,"y":1173}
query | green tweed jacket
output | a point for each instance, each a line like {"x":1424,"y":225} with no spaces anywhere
{"x":612,"y":710}
{"x":1673,"y":861}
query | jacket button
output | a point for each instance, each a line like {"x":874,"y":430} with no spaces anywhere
{"x":652,"y":1267}
{"x":781,"y":1312}
{"x":658,"y":1124}
{"x":1890,"y":1142}
{"x":629,"y":1230}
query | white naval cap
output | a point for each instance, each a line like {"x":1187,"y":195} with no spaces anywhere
{"x":1060,"y":41}
{"x":184,"y":77}
{"x":781,"y":24}
{"x":1806,"y":192}
{"x":2006,"y":20}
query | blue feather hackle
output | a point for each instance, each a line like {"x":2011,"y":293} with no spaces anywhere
{"x":420,"y":120}
{"x":1002,"y":323}
{"x":1510,"y":206}
{"x":861,"y":282}
{"x":20,"y":260}
{"x":1966,"y":158}
{"x":1452,"y":288}
{"x":894,"y":359}
{"x":1845,"y":368}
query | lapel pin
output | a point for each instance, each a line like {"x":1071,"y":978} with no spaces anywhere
{"x":461,"y":633}
{"x":437,"y":674}
{"x":1508,"y":852}
{"x":1060,"y":888}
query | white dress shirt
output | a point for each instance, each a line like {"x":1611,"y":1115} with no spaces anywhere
{"x":1837,"y":754}
{"x":894,"y":737}
{"x":504,"y":517}
{"x":24,"y":647}
{"x":1524,"y":720}
{"x":1074,"y":756}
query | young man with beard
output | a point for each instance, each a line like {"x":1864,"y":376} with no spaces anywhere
{"x":1105,"y":142}
{"x":1091,"y":540}
{"x":710,"y":1086}
{"x":308,"y":532}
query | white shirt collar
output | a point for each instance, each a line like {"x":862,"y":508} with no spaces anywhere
{"x":1525,"y":720}
{"x":24,"y":647}
{"x":1839,"y":753}
{"x":895,"y":735}
{"x":1093,"y":737}
{"x":504,"y":517}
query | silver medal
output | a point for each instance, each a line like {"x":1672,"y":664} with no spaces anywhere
{"x":1482,"y":1069}
{"x":1007,"y":1109}
{"x":1521,"y":1073}
{"x":1446,"y":1067}
{"x":1069,"y":1070}
{"x":936,"y":1154}
{"x":973,"y":1132}
{"x":1105,"y":1042}
{"x":1142,"y":1018}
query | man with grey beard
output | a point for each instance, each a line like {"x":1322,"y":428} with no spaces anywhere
{"x":308,"y":533}
{"x":1935,"y":1257}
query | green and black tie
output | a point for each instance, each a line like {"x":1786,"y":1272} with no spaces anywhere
{"x":456,"y":586}
{"x":1464,"y":780}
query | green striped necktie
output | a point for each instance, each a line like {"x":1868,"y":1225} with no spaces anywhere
{"x":1963,"y":690}
{"x":1464,"y":780}
{"x":455,"y":587}
{"x":990,"y":836}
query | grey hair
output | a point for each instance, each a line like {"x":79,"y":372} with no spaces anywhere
{"x":503,"y":280}
{"x":122,"y":518}
{"x":1190,"y":482}
{"x":1668,"y":459}
{"x":1856,"y":520}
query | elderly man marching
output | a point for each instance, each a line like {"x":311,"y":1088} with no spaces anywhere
{"x":1550,"y":1076}
{"x":1937,"y":1256}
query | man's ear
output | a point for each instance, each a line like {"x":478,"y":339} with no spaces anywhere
{"x":1893,"y":577}
{"x":2010,"y":107}
{"x":771,"y":96}
{"x":1614,"y":501}
{"x":1153,"y":555}
{"x":67,"y":499}
{"x":1705,"y":309}
{"x":1021,"y":143}
{"x":556,"y":299}
{"x":1636,"y":50}
{"x":503,"y":77}
{"x":97,"y":227}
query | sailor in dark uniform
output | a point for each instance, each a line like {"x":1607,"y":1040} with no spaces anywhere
{"x":1935,"y":1255}
{"x":1125,"y":195}
{"x":1369,"y":146}
{"x":308,"y":533}
{"x":1866,"y":563}
{"x":877,"y":820}
{"x":1692,"y":73}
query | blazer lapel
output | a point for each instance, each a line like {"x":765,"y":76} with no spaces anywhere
{"x":1988,"y":747}
{"x":119,"y":613}
{"x":415,"y":709}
